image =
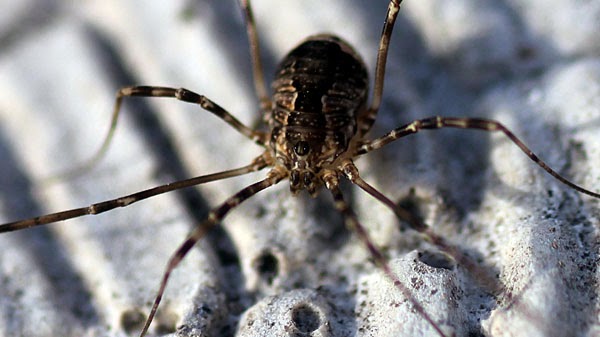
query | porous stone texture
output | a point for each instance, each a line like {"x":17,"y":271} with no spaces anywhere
{"x":526,"y":246}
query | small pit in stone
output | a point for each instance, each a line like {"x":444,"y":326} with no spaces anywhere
{"x":411,"y":205}
{"x":267,"y":266}
{"x":436,"y":260}
{"x":306,"y":319}
{"x":132,"y":320}
{"x":166,"y":322}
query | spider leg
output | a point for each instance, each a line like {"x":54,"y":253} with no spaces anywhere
{"x":438,"y":122}
{"x":367,"y":118}
{"x":260,"y":87}
{"x":332,"y":184}
{"x":483,"y":277}
{"x":214,"y":217}
{"x":181,"y":94}
{"x":97,"y":208}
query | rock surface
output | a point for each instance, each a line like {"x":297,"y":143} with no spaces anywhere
{"x":282,"y":264}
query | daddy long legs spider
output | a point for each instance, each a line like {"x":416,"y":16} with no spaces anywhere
{"x":365,"y":55}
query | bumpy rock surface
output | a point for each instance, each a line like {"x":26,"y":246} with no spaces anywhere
{"x":282,"y":265}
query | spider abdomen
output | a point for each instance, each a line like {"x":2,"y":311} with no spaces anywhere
{"x":319,"y":89}
{"x":322,"y":74}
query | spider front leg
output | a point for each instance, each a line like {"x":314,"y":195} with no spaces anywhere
{"x":351,"y":221}
{"x":484,"y":278}
{"x":101,"y":207}
{"x":439,"y":122}
{"x":215,"y":216}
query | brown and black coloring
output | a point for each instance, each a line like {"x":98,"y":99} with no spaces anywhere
{"x":318,"y":120}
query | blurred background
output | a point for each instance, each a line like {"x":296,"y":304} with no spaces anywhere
{"x":533,"y":65}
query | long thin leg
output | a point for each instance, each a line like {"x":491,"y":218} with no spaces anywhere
{"x":260,"y":86}
{"x":214,"y":217}
{"x":257,"y":164}
{"x":368,"y":118}
{"x":438,"y":122}
{"x":354,"y":225}
{"x":177,"y":93}
{"x":483,"y":277}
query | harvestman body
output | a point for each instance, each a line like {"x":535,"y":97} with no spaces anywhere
{"x":318,"y":119}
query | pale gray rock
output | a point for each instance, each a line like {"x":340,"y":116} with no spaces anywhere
{"x":283,"y":265}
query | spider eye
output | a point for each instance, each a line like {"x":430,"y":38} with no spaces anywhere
{"x":301,"y":148}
